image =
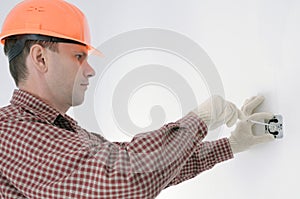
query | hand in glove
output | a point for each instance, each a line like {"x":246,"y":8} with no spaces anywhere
{"x":242,"y":137}
{"x":216,"y":111}
{"x":251,"y":104}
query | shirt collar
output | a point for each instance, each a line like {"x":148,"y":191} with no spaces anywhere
{"x":36,"y":106}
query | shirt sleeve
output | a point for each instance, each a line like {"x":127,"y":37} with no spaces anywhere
{"x":206,"y":156}
{"x":43,"y":161}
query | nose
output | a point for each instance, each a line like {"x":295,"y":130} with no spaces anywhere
{"x":88,"y":70}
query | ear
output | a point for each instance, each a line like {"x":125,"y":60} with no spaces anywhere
{"x":37,"y":55}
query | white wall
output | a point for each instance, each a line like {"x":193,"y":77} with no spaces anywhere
{"x":254,"y":46}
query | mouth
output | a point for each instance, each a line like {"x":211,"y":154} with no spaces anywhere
{"x":85,"y":85}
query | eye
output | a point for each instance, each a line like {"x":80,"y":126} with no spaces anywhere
{"x":78,"y":56}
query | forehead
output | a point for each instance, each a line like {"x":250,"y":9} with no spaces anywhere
{"x":70,"y":47}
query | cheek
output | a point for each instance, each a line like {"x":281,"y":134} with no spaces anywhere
{"x":64,"y":71}
{"x":74,"y":77}
{"x":74,"y":72}
{"x":59,"y":74}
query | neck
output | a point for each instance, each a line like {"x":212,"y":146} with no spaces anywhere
{"x":47,"y":98}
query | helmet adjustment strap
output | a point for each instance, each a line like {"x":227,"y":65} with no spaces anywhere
{"x":21,"y":40}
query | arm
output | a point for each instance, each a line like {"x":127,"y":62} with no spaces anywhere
{"x":43,"y":161}
{"x":206,"y":156}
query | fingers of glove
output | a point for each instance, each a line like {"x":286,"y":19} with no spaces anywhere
{"x":233,"y":117}
{"x":260,"y":116}
{"x":252,"y":104}
{"x":241,"y":115}
{"x":246,"y":103}
{"x":248,"y":100}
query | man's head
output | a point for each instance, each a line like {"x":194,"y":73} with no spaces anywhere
{"x":17,"y":63}
{"x":43,"y":39}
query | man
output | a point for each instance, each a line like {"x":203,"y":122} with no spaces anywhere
{"x":45,"y":154}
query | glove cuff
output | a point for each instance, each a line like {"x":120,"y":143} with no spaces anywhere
{"x":203,"y":115}
{"x":235,"y":146}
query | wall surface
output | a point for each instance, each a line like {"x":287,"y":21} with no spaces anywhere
{"x":254,"y":48}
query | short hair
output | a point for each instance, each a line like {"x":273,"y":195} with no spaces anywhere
{"x":17,"y":66}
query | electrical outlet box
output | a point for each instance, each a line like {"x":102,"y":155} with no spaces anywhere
{"x":275,"y":126}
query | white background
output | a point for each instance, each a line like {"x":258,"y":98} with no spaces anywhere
{"x":254,"y":45}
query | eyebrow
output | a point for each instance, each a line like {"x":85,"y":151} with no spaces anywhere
{"x":81,"y":52}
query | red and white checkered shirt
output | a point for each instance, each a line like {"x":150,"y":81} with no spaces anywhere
{"x":46,"y":155}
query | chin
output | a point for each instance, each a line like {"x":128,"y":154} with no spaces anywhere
{"x":77,"y":103}
{"x":77,"y":100}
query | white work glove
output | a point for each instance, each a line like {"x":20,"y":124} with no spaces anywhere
{"x":251,"y":104}
{"x":242,"y":137}
{"x":216,"y":111}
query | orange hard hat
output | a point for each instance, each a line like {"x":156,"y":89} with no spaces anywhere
{"x":54,"y":18}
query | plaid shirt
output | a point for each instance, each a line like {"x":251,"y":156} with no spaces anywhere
{"x":46,"y":155}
